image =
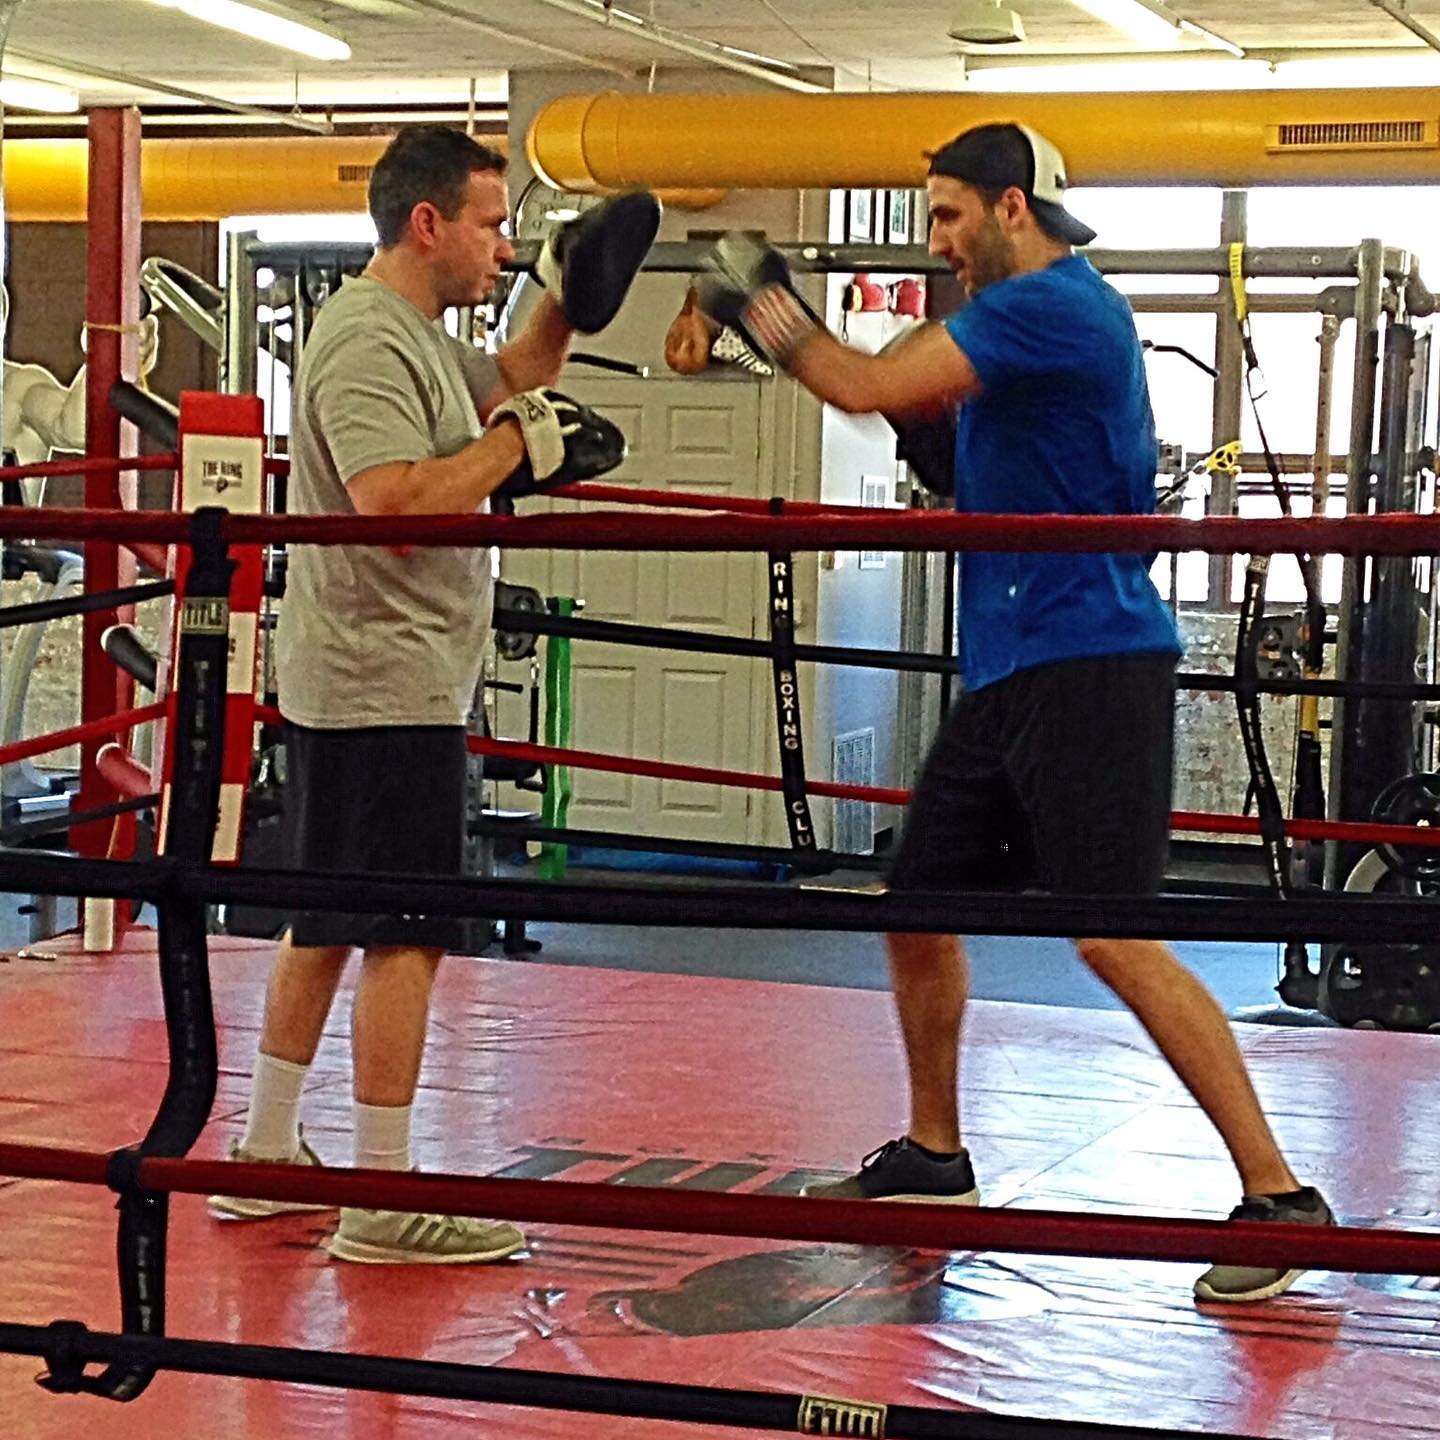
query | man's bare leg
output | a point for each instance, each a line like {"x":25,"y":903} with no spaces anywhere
{"x":298,"y":998}
{"x":302,"y":988}
{"x":930,"y":979}
{"x":1192,"y":1033}
{"x":387,"y":1027}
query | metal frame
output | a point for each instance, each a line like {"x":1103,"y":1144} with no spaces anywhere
{"x":247,"y":255}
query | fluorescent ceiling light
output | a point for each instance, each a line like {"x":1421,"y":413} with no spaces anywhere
{"x":1122,"y":75}
{"x":262,"y":23}
{"x":758,"y":58}
{"x":1137,"y":20}
{"x":1195,"y":75}
{"x":1211,"y":38}
{"x":38,"y":95}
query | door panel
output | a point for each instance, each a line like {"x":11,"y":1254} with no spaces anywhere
{"x":692,"y":728}
{"x":650,"y":703}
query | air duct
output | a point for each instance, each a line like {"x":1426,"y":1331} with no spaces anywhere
{"x":210,"y":179}
{"x":204,"y":179}
{"x":609,"y":141}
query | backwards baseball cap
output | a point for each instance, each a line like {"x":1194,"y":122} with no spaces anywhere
{"x":995,"y":157}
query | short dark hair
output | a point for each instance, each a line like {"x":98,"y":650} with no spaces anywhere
{"x":425,"y":162}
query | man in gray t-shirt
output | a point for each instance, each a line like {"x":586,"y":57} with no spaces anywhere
{"x":367,"y":636}
{"x":379,"y":650}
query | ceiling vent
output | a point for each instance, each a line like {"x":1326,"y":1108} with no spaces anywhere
{"x":1313,"y":135}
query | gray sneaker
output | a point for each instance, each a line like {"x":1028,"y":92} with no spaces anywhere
{"x":238,"y":1207}
{"x":901,"y":1170}
{"x":397,"y":1237}
{"x":1235,"y":1283}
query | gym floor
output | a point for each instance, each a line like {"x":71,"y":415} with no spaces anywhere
{"x":591,"y":1070}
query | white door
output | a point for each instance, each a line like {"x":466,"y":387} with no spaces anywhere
{"x":650,"y":703}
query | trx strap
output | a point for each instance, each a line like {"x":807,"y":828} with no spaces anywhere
{"x":1251,"y":628}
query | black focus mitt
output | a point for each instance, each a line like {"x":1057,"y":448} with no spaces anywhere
{"x":588,"y":264}
{"x":924,"y":439}
{"x":927,"y":445}
{"x":564,"y":441}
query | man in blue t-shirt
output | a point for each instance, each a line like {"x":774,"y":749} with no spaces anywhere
{"x":1054,"y":769}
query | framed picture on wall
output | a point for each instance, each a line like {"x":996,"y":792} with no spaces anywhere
{"x":860,"y":216}
{"x":898,"y":213}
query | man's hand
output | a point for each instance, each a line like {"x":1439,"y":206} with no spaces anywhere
{"x":748,"y":285}
{"x":564,"y":441}
{"x":588,"y":264}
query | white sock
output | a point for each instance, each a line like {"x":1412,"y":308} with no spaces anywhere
{"x":382,"y":1137}
{"x":272,"y":1130}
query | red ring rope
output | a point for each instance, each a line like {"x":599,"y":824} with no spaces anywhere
{"x":771,"y":1217}
{"x":666,"y":499}
{"x":874,"y":529}
{"x":91,"y":730}
{"x":81,"y":466}
{"x":689,"y":500}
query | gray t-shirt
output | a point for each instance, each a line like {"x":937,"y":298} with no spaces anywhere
{"x":367,"y":637}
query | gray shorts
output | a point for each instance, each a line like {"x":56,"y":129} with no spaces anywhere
{"x":1057,"y":778}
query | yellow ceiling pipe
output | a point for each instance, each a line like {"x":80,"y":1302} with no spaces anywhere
{"x":786,"y":141}
{"x":205,"y":179}
{"x":209,"y":179}
{"x":690,"y":198}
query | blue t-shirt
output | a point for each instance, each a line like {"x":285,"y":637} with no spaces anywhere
{"x":1063,"y":426}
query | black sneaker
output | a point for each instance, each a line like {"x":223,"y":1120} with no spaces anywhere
{"x":901,"y":1170}
{"x":1233,"y":1283}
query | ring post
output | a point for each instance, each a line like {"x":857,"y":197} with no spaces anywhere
{"x":206,"y":760}
{"x":193,"y":788}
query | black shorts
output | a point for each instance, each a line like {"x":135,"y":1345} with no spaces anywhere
{"x":376,"y":800}
{"x":1057,"y":778}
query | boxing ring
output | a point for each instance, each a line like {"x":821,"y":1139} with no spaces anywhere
{"x":1068,"y":1111}
{"x":654,"y":1131}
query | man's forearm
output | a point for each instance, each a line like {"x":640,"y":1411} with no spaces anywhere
{"x":455,"y":485}
{"x":926,"y":372}
{"x":837,"y":374}
{"x":534,"y":358}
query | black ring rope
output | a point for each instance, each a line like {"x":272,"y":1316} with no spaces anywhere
{"x":193,"y":1069}
{"x":27,"y":832}
{"x":660,"y":637}
{"x":815,"y":861}
{"x":39,"y":611}
{"x":68,"y":1345}
{"x":1400,"y":919}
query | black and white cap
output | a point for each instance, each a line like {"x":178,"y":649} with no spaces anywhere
{"x":999,"y":156}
